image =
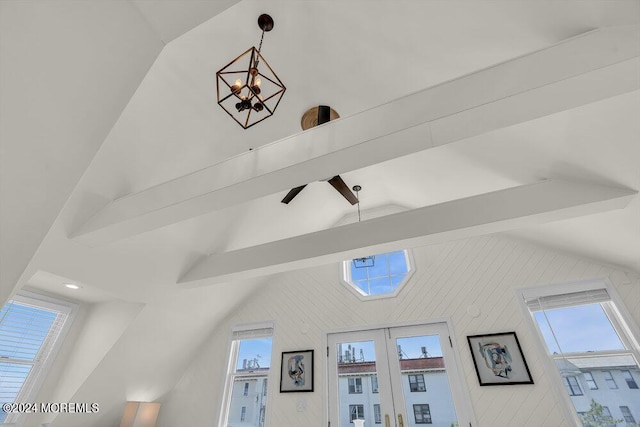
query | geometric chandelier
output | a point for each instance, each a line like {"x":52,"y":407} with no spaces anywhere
{"x":248,"y":89}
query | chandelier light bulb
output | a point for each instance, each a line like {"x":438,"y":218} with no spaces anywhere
{"x":236,"y":86}
{"x":255,"y":87}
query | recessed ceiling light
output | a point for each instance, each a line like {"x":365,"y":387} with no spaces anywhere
{"x":71,"y":286}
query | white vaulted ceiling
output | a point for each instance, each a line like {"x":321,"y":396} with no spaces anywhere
{"x":155,"y":120}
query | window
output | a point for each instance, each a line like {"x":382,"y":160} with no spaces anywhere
{"x":611,"y":383}
{"x":245,"y":398}
{"x":355,"y":385}
{"x":31,"y":329}
{"x":571,"y":383}
{"x":356,"y":412}
{"x":591,"y":383}
{"x":626,"y":413}
{"x":422,"y":414}
{"x":385,"y":277}
{"x":416,"y":383}
{"x":629,"y":379}
{"x":377,"y":418}
{"x":568,"y":321}
{"x":374,"y":384}
{"x":597,"y":416}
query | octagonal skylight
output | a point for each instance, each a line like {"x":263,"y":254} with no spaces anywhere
{"x":390,"y":271}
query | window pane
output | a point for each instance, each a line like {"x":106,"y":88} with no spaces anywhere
{"x":397,"y":262}
{"x":631,"y":382}
{"x":358,"y":273}
{"x":357,"y":375}
{"x":575,"y":327}
{"x":380,"y":267}
{"x":626,"y":413}
{"x":380,"y":286}
{"x":384,"y":277}
{"x":27,"y":334}
{"x":425,"y":379}
{"x":591,"y":358}
{"x":248,"y":394}
{"x":254,"y":354}
{"x":23,"y":329}
{"x":247,"y":408}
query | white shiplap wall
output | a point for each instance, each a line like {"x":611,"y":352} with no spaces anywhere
{"x":450,"y":277}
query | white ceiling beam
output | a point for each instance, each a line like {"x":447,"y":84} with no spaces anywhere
{"x":584,"y":69}
{"x":498,"y":211}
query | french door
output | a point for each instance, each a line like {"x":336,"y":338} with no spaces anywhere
{"x":395,"y":377}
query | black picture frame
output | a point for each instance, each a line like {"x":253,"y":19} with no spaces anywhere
{"x":498,"y":359}
{"x":296,"y":371}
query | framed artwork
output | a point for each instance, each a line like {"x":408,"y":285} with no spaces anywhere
{"x":296,"y":372}
{"x":498,"y":359}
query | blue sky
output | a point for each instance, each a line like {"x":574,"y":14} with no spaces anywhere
{"x":411,"y":347}
{"x":580,"y":328}
{"x":389,"y":269}
{"x":257,"y":348}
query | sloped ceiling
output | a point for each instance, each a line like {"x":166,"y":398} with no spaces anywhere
{"x":353,"y":55}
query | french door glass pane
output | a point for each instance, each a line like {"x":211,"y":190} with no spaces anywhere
{"x":357,"y":380}
{"x":425,"y":384}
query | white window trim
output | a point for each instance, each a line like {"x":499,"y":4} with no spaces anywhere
{"x":243,"y":332}
{"x":630,"y":329}
{"x":34,"y":381}
{"x":345,"y":278}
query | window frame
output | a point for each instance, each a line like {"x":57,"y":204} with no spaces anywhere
{"x":620,"y":317}
{"x":608,"y":378}
{"x":627,"y":415}
{"x":355,"y":406}
{"x":571,"y":387}
{"x":424,"y":420}
{"x":345,"y":278}
{"x":374,"y":380}
{"x":589,"y":379}
{"x":253,"y":331}
{"x":417,"y":383}
{"x":357,"y":388}
{"x":377,"y":414}
{"x":49,"y":348}
{"x":631,"y":382}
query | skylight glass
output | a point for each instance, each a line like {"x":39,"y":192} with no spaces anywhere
{"x":384,"y":277}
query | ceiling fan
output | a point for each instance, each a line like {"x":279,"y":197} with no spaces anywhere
{"x":313,"y":117}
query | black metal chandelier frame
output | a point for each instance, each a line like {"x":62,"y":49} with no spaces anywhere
{"x":253,"y":103}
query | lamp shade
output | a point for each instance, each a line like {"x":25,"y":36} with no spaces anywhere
{"x":140,"y":414}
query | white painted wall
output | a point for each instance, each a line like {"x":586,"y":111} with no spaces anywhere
{"x":450,"y":277}
{"x":95,"y":330}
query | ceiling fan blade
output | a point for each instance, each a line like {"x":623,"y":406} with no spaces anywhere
{"x":292,"y":193}
{"x":324,"y":114}
{"x":343,"y":189}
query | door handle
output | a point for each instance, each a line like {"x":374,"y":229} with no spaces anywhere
{"x":386,"y":420}
{"x":400,"y":423}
